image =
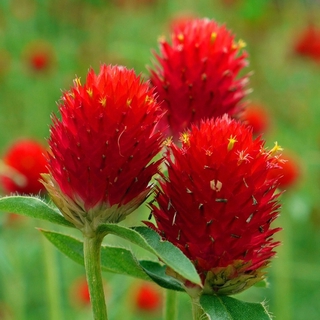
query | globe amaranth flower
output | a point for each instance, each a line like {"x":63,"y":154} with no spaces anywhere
{"x":196,"y":75}
{"x":217,"y":203}
{"x":102,"y":149}
{"x":23,"y":162}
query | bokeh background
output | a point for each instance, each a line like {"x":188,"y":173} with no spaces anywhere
{"x":44,"y":44}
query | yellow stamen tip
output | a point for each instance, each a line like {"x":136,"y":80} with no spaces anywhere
{"x":148,"y":99}
{"x":275,"y":149}
{"x":180,"y":37}
{"x":184,"y":138}
{"x":167,"y":142}
{"x":213,"y":36}
{"x":77,"y":82}
{"x":103,"y":101}
{"x":232,"y":140}
{"x":239,"y":45}
{"x":90,"y":92}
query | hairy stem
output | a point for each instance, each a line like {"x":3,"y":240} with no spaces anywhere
{"x":197,"y":311}
{"x":92,"y":262}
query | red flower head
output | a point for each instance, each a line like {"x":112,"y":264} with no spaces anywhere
{"x":23,"y":164}
{"x":147,"y":297}
{"x":217,"y":203}
{"x":197,"y":74}
{"x":257,"y":117}
{"x":100,"y":161}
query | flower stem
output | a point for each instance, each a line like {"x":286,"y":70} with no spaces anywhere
{"x":92,"y":262}
{"x":197,"y":311}
{"x":170,"y":307}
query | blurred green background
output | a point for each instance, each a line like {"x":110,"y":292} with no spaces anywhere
{"x":44,"y":44}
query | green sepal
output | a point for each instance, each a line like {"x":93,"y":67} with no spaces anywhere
{"x":262,"y":284}
{"x":150,"y":240}
{"x":33,"y":207}
{"x":227,"y":308}
{"x":114,"y":259}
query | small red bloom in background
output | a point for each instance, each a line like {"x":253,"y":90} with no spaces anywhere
{"x":39,"y":60}
{"x":308,"y":43}
{"x":289,"y":171}
{"x":79,"y":294}
{"x":147,"y":297}
{"x":23,"y":163}
{"x":39,"y":56}
{"x":101,"y":151}
{"x":218,"y":202}
{"x":256,"y":116}
{"x":196,"y":75}
{"x":14,"y":220}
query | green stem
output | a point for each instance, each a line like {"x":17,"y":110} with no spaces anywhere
{"x":170,"y":307}
{"x":53,"y":290}
{"x":92,"y":262}
{"x":197,"y":311}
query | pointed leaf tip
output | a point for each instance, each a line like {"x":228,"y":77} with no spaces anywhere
{"x":33,"y":207}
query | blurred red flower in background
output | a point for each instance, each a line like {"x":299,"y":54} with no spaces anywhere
{"x":256,"y":116}
{"x":39,"y":56}
{"x":289,"y":171}
{"x":197,"y":75}
{"x":79,"y":293}
{"x":218,"y":202}
{"x":39,"y":60}
{"x":102,"y":150}
{"x":147,"y":297}
{"x":308,"y":43}
{"x":24,"y":162}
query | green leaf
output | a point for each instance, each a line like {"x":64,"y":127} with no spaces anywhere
{"x":114,"y":259}
{"x":227,"y":308}
{"x":33,"y":207}
{"x":149,"y":240}
{"x":157,"y":273}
